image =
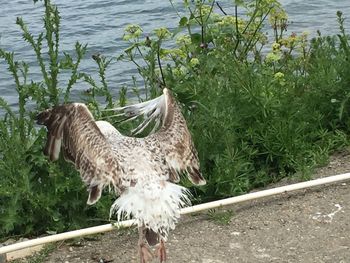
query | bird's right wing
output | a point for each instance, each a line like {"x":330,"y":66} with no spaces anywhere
{"x":72,"y":128}
{"x":172,"y":138}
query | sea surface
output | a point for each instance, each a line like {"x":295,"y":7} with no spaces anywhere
{"x":100,"y":24}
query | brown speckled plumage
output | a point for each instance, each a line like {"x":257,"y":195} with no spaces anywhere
{"x":72,"y":129}
{"x":139,"y":169}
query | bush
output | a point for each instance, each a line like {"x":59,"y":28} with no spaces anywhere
{"x":37,"y":195}
{"x":257,"y":111}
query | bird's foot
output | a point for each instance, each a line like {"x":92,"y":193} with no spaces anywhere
{"x":161,"y":252}
{"x":145,"y":254}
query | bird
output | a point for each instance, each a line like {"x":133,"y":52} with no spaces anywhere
{"x":143,"y":171}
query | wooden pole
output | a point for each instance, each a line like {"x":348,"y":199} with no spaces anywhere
{"x":186,"y":210}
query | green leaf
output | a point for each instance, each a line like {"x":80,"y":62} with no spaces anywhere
{"x":183,"y":21}
{"x":196,"y":38}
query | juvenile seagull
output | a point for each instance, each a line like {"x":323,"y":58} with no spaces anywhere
{"x":142,"y":171}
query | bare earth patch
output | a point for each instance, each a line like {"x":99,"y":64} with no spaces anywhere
{"x":306,"y":226}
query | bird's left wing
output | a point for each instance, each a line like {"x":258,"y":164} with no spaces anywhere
{"x":72,"y":128}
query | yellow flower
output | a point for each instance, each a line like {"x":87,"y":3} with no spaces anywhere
{"x":177,"y":72}
{"x":183,"y":40}
{"x":278,"y":17}
{"x":276,"y":47}
{"x":132,"y":31}
{"x":273,"y":57}
{"x":171,"y":53}
{"x":279,"y":75}
{"x":284,"y":42}
{"x":162,"y":33}
{"x":194,"y":62}
{"x":204,"y":11}
{"x":290,"y":42}
{"x":231,"y":21}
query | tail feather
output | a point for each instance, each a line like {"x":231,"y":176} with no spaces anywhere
{"x":154,"y":204}
{"x":195,"y":176}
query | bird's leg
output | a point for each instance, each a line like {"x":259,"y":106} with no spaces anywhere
{"x":161,"y":252}
{"x":145,"y":253}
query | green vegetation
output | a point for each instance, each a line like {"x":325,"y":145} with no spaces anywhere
{"x":259,"y":109}
{"x":38,"y":196}
{"x":38,"y":257}
{"x":220,"y":217}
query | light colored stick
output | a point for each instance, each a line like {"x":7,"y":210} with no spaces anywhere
{"x":264,"y":193}
{"x":66,"y":235}
{"x":187,"y":210}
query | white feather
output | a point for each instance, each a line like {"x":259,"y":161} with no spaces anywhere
{"x":154,"y":203}
{"x":152,"y":110}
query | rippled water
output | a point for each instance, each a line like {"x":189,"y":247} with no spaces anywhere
{"x":101,"y":23}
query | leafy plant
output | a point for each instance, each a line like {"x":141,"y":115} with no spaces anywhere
{"x":37,"y":195}
{"x":256,"y":115}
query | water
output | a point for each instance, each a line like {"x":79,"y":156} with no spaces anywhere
{"x":101,"y":23}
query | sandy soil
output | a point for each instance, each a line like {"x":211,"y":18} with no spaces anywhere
{"x":306,"y":226}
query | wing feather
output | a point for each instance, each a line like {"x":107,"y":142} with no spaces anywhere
{"x":152,"y":110}
{"x":170,"y":134}
{"x":71,"y":127}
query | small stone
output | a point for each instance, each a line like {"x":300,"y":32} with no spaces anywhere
{"x":9,"y":241}
{"x":22,"y":239}
{"x":235,"y":246}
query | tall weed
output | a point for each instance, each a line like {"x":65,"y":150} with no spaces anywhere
{"x":38,"y":196}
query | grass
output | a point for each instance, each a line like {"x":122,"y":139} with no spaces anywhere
{"x":220,"y":217}
{"x":38,"y":257}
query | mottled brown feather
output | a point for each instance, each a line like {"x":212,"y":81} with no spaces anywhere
{"x":83,"y":144}
{"x":177,"y":145}
{"x":103,"y":156}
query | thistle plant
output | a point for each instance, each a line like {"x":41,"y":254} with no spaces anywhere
{"x":37,"y":196}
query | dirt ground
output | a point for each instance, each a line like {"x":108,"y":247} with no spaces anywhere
{"x":305,"y":226}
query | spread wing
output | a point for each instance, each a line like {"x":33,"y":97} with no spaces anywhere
{"x":172,"y":139}
{"x":72,"y":128}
